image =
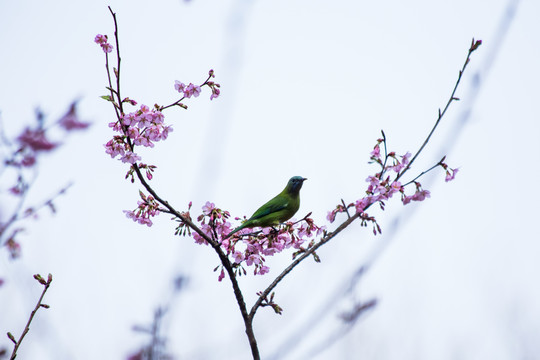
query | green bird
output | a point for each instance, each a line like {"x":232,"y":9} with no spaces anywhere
{"x":280,"y":209}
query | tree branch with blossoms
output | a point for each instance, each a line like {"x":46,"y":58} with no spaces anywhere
{"x":19,"y":164}
{"x":145,"y":126}
{"x":40,"y":304}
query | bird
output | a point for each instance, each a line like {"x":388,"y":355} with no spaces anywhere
{"x":279,"y":209}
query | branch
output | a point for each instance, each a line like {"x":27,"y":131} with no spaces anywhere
{"x":299,"y":259}
{"x":346,"y":223}
{"x":474,"y":46}
{"x":39,"y":304}
{"x":170,"y":209}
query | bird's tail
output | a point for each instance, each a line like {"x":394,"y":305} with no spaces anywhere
{"x":235,"y":230}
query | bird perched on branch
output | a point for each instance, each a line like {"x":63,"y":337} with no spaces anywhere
{"x":280,"y":209}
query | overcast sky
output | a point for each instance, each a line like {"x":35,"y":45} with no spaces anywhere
{"x":306,"y":88}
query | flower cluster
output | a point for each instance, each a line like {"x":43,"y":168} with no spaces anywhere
{"x":250,"y":247}
{"x":142,"y":127}
{"x":378,"y":190}
{"x":36,"y":140}
{"x":19,"y":156}
{"x":146,"y":209}
{"x":214,"y":86}
{"x":195,"y":90}
{"x":187,"y":90}
{"x":450,"y":173}
{"x":213,"y":223}
{"x":102,"y":40}
{"x":70,"y":121}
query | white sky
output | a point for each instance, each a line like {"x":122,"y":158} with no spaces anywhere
{"x":306,"y":88}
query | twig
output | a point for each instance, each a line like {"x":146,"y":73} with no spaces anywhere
{"x":346,"y":209}
{"x":474,"y":46}
{"x":39,"y":304}
{"x":425,"y":172}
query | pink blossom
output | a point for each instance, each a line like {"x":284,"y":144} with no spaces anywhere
{"x":16,"y":190}
{"x":100,"y":39}
{"x":373,"y":180}
{"x":107,"y":48}
{"x":376,"y":153}
{"x":152,"y":133}
{"x":253,"y":259}
{"x":158,"y":117}
{"x":223,"y":229}
{"x":396,"y":186}
{"x":208,"y":208}
{"x":129,"y":119}
{"x":393,"y":188}
{"x":238,"y":257}
{"x":28,"y":160}
{"x":421,"y":195}
{"x":199,"y":239}
{"x":363,"y":203}
{"x":406,"y":158}
{"x":144,"y":119}
{"x":221,"y":275}
{"x":145,"y":221}
{"x":130,"y":157}
{"x":115,"y":126}
{"x":70,"y":121}
{"x":192,"y":90}
{"x":165,"y":132}
{"x":263,"y":270}
{"x":215,"y":93}
{"x":133,"y":132}
{"x":450,"y":175}
{"x":143,"y":140}
{"x":36,"y":140}
{"x":114,"y":148}
{"x":179,"y":86}
{"x":331,"y":216}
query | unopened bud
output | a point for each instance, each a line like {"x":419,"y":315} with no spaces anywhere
{"x":11,"y":337}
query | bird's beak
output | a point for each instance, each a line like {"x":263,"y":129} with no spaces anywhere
{"x":304,"y":179}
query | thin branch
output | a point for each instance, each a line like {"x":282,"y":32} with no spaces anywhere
{"x":177,"y":102}
{"x":17,"y":215}
{"x":385,"y":155}
{"x":347,"y":222}
{"x":346,"y":209}
{"x":299,"y":259}
{"x":39,"y":304}
{"x":170,"y":209}
{"x":117,"y":72}
{"x":424,"y":172}
{"x":474,"y":46}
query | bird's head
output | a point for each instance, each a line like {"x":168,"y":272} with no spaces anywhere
{"x":295,"y":184}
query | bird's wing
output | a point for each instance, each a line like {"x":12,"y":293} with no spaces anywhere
{"x":276,"y":204}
